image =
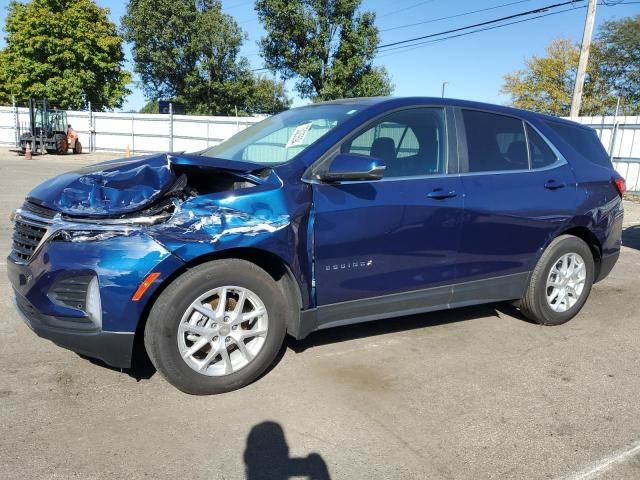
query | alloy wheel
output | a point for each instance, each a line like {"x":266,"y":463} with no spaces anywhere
{"x":223,"y":330}
{"x":566,"y":282}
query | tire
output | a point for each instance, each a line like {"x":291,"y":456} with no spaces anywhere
{"x":169,"y":332}
{"x":77,"y":149}
{"x":61,"y":144}
{"x":546,"y":301}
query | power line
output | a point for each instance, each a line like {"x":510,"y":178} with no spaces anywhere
{"x":406,"y":48}
{"x":452,"y":16}
{"x":409,"y":7}
{"x":402,"y":48}
{"x":488,"y":22}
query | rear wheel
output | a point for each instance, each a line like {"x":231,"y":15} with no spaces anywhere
{"x":560,"y":283}
{"x":216,"y":328}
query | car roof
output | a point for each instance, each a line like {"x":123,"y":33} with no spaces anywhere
{"x":392,"y":102}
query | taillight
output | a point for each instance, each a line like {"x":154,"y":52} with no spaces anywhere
{"x":621,"y":185}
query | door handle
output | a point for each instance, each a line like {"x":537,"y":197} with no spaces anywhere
{"x":554,"y":185}
{"x":440,"y":194}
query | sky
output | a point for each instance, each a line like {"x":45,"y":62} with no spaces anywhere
{"x":473,"y":66}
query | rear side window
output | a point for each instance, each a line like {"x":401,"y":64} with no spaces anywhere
{"x":540,"y":151}
{"x":585,"y":141}
{"x":495,"y":142}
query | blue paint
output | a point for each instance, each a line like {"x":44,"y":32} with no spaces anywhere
{"x":341,"y":240}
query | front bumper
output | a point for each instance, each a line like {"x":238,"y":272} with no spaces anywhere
{"x":119,"y":263}
{"x":113,"y":348}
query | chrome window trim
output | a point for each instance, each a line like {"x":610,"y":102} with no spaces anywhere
{"x":555,"y":165}
{"x":560,"y":160}
{"x":526,"y":139}
{"x":315,"y":181}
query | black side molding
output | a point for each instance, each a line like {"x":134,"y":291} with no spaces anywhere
{"x":497,"y":289}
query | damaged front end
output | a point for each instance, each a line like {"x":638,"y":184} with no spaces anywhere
{"x":188,"y":203}
{"x":86,"y":242}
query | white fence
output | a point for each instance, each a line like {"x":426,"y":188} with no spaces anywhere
{"x":621,"y":137}
{"x":143,"y":133}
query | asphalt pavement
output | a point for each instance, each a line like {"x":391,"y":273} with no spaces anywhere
{"x":472,"y":393}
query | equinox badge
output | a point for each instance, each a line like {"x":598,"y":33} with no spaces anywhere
{"x":349,"y":265}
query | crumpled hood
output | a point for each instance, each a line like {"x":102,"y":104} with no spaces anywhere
{"x":122,"y":186}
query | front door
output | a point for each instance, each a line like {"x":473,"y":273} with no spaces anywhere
{"x":398,"y":234}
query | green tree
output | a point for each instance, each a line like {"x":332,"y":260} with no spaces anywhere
{"x":5,"y":93}
{"x":327,"y":46}
{"x":546,"y":83}
{"x":65,"y":50}
{"x":150,"y":107}
{"x":189,"y":51}
{"x":619,"y":61}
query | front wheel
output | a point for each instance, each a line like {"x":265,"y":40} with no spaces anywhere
{"x":217,"y":327}
{"x":560,"y":283}
{"x":61,"y":144}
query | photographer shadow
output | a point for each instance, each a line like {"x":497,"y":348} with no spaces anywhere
{"x":266,"y":456}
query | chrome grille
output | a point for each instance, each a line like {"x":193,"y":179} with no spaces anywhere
{"x":43,"y":212}
{"x":30,"y":226}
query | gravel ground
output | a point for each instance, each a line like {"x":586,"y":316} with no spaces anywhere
{"x":465,"y":394}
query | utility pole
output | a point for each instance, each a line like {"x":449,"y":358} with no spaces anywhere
{"x":584,"y":58}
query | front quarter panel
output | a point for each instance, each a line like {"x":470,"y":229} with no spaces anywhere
{"x":272,"y":217}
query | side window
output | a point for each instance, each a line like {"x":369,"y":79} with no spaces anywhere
{"x":584,"y":140}
{"x":411,"y":142}
{"x":495,"y":142}
{"x":541,"y":153}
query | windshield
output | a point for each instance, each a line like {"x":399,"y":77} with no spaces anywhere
{"x":280,"y":138}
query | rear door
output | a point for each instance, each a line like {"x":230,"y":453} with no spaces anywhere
{"x":519,"y":192}
{"x":398,"y":234}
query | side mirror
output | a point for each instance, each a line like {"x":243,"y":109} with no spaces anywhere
{"x":350,"y":167}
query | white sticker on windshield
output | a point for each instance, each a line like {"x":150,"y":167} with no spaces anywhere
{"x":297,"y":137}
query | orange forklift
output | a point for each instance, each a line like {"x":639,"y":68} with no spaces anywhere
{"x":49,"y":130}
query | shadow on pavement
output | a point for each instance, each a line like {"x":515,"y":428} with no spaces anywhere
{"x":631,"y":237}
{"x":143,"y":369}
{"x":266,"y":457}
{"x":141,"y":366}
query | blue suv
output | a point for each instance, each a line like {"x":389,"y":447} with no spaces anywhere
{"x":321,"y":216}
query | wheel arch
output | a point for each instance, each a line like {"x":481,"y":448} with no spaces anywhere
{"x":274,"y":265}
